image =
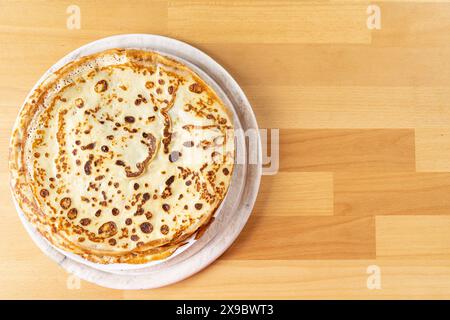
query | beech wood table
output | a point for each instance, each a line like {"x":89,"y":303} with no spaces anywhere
{"x":360,"y":93}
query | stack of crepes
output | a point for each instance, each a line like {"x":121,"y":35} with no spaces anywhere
{"x":121,"y":156}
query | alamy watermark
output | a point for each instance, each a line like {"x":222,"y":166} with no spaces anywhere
{"x":374,"y":278}
{"x":374,"y":18}
{"x":251,"y":146}
{"x":73,"y":21}
{"x":73,"y":282}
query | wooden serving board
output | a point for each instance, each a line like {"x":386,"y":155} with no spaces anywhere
{"x":363,"y":188}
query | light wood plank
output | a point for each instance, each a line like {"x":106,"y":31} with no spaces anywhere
{"x":433,"y":149}
{"x":331,"y":279}
{"x":413,"y":24}
{"x":296,"y":194}
{"x":392,"y":194}
{"x":288,"y":238}
{"x":347,"y":150}
{"x":49,"y":17}
{"x":311,"y":107}
{"x":432,"y":107}
{"x":424,"y":237}
{"x":275,"y":22}
{"x":290,"y":280}
{"x":37,"y":277}
{"x":333,"y":65}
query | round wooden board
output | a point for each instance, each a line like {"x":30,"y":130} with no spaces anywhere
{"x":235,"y":209}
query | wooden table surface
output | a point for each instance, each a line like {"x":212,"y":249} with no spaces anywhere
{"x":363,"y":189}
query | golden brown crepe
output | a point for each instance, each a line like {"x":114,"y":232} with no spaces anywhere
{"x":121,"y":156}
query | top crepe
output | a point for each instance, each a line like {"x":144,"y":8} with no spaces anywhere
{"x":121,"y":156}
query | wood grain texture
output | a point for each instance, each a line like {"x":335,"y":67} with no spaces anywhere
{"x":347,"y":150}
{"x":364,"y":119}
{"x":433,"y":149}
{"x":392,"y":193}
{"x":413,"y":237}
{"x":335,"y":107}
{"x":416,"y":29}
{"x":296,"y":194}
{"x":312,"y":107}
{"x":268,"y":22}
{"x":331,"y":279}
{"x":298,"y":238}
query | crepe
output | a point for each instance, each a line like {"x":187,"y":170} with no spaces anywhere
{"x":121,"y":156}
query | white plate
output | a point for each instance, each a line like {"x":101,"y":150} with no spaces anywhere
{"x":234,"y":210}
